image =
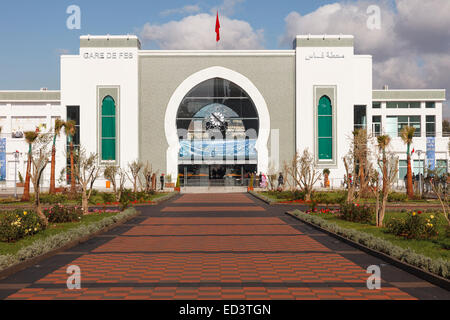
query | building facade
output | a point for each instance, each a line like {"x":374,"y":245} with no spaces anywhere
{"x":213,"y":117}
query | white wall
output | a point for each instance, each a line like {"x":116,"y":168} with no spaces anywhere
{"x":26,"y":116}
{"x":80,"y":78}
{"x":352,"y":76}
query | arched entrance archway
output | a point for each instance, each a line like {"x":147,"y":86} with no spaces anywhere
{"x":173,"y":135}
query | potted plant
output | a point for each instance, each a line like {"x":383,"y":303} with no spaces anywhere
{"x":250,"y":186}
{"x":326,"y":174}
{"x":177,"y":187}
{"x":20,"y":184}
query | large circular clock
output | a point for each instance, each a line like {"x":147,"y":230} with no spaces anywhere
{"x":217,"y":120}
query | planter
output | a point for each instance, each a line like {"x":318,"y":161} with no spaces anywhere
{"x":170,"y":185}
{"x":177,"y":189}
{"x":20,"y":185}
{"x":249,"y":189}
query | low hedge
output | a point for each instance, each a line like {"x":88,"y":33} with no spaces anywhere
{"x":439,"y":267}
{"x":46,"y":245}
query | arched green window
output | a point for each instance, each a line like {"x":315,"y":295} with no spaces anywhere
{"x":325,"y":128}
{"x":108,"y":129}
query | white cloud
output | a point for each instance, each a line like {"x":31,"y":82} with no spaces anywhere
{"x":198,"y":32}
{"x":189,"y":9}
{"x":411,"y":50}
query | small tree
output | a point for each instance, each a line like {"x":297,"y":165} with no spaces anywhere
{"x":135,"y":169}
{"x":304,"y":173}
{"x":147,"y":173}
{"x":39,"y":161}
{"x":30,"y":138}
{"x":86,"y":172}
{"x":59,"y":124}
{"x":117,"y":177}
{"x":407,"y":135}
{"x":70,"y":129}
{"x":389,"y":167}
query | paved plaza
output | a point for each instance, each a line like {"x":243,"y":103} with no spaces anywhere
{"x":215,"y":246}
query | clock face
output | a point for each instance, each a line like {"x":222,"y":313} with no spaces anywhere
{"x":217,"y":119}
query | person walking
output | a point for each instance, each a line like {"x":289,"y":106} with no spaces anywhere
{"x":161,"y":179}
{"x":280,"y":181}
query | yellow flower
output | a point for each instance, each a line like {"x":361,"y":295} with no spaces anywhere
{"x":414,"y":214}
{"x":431,"y":224}
{"x":35,"y":229}
{"x":25,"y":213}
{"x":432,"y":217}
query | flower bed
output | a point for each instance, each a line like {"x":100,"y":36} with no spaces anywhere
{"x":17,"y":224}
{"x":47,"y":241}
{"x":378,"y":241}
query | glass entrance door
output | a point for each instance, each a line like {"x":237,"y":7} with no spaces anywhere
{"x":215,"y":175}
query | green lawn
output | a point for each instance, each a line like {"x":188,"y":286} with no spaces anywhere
{"x":431,"y":248}
{"x":12,"y":248}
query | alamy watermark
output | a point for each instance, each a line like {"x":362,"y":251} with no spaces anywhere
{"x":74,"y":279}
{"x":374,"y":281}
{"x":73,"y":22}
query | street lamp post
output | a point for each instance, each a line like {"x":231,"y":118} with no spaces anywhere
{"x":419,"y":153}
{"x":16,"y":159}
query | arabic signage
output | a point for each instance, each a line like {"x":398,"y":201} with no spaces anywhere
{"x":431,"y":153}
{"x":218,"y":149}
{"x":324,"y":55}
{"x":2,"y":159}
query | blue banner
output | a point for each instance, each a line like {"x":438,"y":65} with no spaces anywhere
{"x":218,"y":149}
{"x":2,"y":159}
{"x":431,"y":153}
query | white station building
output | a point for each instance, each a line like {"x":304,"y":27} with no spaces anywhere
{"x":215,"y":116}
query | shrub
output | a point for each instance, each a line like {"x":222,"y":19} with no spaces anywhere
{"x":414,"y":226}
{"x":330,"y":197}
{"x":15,"y":225}
{"x":357,"y":213}
{"x":61,"y":214}
{"x":108,"y":197}
{"x":52,"y":198}
{"x":397,"y":197}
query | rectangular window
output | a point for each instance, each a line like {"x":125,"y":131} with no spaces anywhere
{"x":431,"y":105}
{"x":403,"y":105}
{"x":441,"y":167}
{"x":403,"y":121}
{"x":402,"y":169}
{"x":418,"y":167}
{"x":359,"y":113}
{"x":431,"y":126}
{"x":376,"y":125}
{"x":376,"y":105}
{"x":391,"y":105}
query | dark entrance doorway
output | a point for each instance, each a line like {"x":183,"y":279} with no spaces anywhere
{"x":216,"y":175}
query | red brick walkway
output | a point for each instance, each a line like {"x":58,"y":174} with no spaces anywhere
{"x":169,"y":255}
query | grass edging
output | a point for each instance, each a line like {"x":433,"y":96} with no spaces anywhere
{"x":262,"y":197}
{"x":436,"y":271}
{"x":165,"y":198}
{"x":42,"y":249}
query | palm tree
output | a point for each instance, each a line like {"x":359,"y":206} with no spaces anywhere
{"x":70,"y":130}
{"x":383,"y":143}
{"x":30,"y":138}
{"x":407,"y":135}
{"x":58,"y":126}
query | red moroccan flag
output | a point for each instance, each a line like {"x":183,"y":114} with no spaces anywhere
{"x":217,"y":27}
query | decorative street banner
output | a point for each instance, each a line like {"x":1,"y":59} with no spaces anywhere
{"x":218,"y":149}
{"x":2,"y":159}
{"x":431,"y":153}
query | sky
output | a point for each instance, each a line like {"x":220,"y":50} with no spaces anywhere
{"x":410,"y":49}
